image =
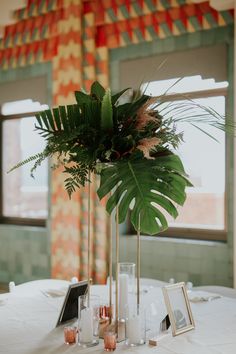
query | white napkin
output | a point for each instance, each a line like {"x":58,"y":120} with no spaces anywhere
{"x":202,"y":296}
{"x":54,"y":292}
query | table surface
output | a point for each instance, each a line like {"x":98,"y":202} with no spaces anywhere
{"x":27,"y":325}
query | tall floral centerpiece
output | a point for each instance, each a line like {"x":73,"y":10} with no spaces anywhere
{"x":131,"y":146}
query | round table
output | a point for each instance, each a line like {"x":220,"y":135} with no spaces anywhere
{"x":27,"y":325}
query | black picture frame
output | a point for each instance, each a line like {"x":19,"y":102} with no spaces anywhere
{"x":69,"y":309}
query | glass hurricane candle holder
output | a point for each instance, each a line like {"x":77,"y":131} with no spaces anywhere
{"x":70,"y":333}
{"x":110,"y":341}
{"x":88,"y":320}
{"x":126,"y":287}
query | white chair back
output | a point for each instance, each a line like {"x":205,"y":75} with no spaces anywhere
{"x":12,"y":286}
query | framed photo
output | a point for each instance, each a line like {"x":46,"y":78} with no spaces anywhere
{"x":178,"y":308}
{"x":69,"y":308}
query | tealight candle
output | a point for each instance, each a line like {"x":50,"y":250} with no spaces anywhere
{"x":70,"y":335}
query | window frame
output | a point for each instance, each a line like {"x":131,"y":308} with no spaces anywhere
{"x":202,"y":233}
{"x":11,"y":220}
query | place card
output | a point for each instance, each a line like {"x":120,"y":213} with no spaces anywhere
{"x":154,"y":341}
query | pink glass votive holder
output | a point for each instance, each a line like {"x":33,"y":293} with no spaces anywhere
{"x":70,"y":333}
{"x":109,"y":341}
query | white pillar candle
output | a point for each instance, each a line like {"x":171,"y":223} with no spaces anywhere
{"x":86,"y":325}
{"x":123,"y":294}
{"x":134,"y":330}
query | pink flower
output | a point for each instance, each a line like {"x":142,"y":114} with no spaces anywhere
{"x":146,"y":145}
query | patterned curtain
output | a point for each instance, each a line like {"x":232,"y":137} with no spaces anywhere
{"x":69,"y":227}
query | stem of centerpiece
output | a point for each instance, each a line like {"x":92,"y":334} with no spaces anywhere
{"x":110,"y":269}
{"x":89,"y":234}
{"x":138,"y":264}
{"x":117,"y":268}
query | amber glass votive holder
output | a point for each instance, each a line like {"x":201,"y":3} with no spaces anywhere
{"x":70,"y":333}
{"x":110,"y":341}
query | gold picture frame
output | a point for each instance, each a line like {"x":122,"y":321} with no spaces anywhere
{"x":178,"y":308}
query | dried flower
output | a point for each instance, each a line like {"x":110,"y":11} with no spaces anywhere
{"x":145,"y":115}
{"x":146,"y":145}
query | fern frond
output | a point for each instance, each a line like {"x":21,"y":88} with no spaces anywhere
{"x":29,"y":159}
{"x":78,"y":177}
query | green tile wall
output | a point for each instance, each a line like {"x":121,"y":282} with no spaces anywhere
{"x":201,"y":262}
{"x":24,"y":253}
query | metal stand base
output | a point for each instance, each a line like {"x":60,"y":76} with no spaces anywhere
{"x":89,"y":344}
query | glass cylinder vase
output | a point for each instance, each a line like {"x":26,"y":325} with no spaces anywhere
{"x":126,"y":288}
{"x":88,"y":320}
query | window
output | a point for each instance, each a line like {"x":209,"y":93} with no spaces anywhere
{"x":24,"y":200}
{"x":203,"y":214}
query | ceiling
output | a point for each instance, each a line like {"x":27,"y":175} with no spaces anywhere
{"x":219,"y":5}
{"x":8,"y":7}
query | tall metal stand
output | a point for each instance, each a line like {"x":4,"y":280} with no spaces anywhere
{"x":110,"y":269}
{"x":117,"y":261}
{"x":89,"y":235}
{"x":138,"y":264}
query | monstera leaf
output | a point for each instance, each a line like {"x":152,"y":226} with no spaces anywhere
{"x":147,"y":188}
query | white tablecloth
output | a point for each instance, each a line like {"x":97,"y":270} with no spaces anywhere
{"x":27,"y":326}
